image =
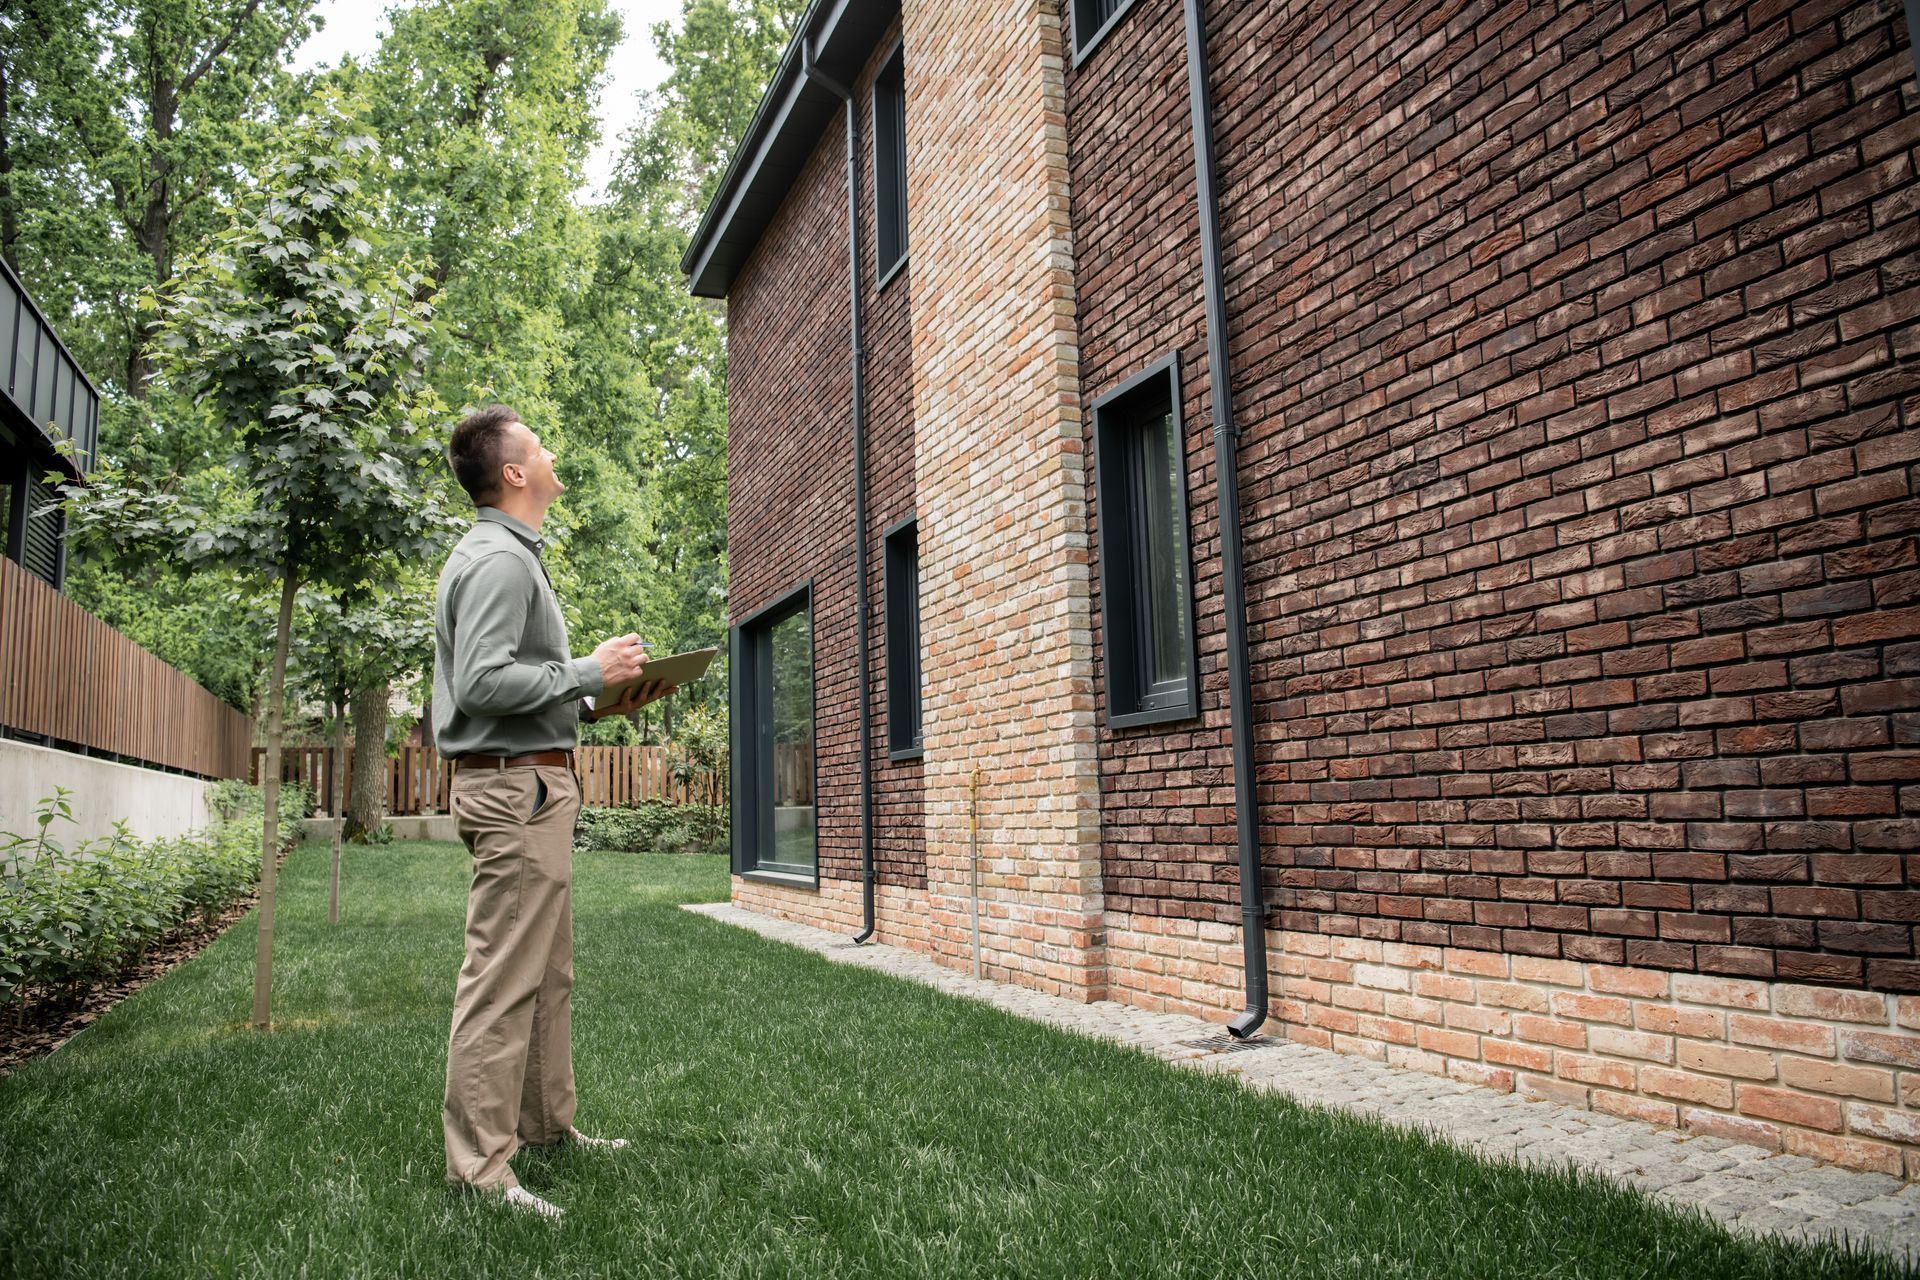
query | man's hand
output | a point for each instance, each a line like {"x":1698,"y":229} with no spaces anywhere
{"x":636,"y":697}
{"x":620,"y":659}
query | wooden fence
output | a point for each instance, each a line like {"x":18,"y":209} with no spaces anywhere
{"x":418,"y":779}
{"x":70,"y":677}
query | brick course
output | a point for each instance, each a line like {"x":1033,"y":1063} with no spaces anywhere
{"x":1831,"y":1074}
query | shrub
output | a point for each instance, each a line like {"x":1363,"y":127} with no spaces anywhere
{"x":74,"y":916}
{"x":655,"y":826}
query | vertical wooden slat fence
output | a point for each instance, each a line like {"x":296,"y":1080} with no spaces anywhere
{"x":68,"y":676}
{"x":418,"y":781}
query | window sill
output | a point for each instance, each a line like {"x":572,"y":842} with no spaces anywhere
{"x":886,"y":277}
{"x":790,"y":879}
{"x":907,"y":753}
{"x":1162,"y":715}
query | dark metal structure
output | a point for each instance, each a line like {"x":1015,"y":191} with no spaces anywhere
{"x":47,"y":400}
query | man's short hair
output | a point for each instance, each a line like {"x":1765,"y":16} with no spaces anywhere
{"x":479,"y":449}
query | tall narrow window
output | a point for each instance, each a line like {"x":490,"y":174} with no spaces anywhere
{"x":890,"y":167}
{"x":903,"y":641}
{"x":1145,"y":575}
{"x":775,"y":819}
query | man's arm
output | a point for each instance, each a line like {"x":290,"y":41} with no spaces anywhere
{"x":489,"y":607}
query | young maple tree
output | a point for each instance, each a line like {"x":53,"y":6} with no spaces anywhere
{"x":305,"y":349}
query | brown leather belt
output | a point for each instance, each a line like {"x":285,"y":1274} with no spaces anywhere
{"x":558,"y":759}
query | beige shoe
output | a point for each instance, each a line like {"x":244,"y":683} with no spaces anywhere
{"x":521,"y":1198}
{"x":607,"y":1144}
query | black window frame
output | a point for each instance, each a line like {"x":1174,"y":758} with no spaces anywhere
{"x":1129,"y":703}
{"x":904,"y":667}
{"x":1084,"y":45}
{"x":889,"y":167}
{"x":749,"y":815}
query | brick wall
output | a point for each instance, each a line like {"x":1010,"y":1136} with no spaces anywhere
{"x":1001,"y":487}
{"x":899,"y":819}
{"x":1573,"y":355}
{"x":790,"y":482}
{"x":1827,"y":1073}
{"x":1168,"y":840}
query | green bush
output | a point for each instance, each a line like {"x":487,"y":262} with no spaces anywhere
{"x":656,"y":826}
{"x":74,"y":916}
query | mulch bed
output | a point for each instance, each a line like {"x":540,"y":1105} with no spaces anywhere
{"x":35,"y":1023}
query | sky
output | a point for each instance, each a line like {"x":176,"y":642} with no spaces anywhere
{"x":355,"y":27}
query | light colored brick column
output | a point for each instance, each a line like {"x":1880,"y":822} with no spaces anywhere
{"x":1001,"y":476}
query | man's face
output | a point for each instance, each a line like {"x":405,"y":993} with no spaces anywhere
{"x":530,"y":465}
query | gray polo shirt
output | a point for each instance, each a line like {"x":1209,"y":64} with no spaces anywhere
{"x":503,"y":681}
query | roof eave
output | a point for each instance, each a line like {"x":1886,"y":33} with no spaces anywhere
{"x":785,"y":128}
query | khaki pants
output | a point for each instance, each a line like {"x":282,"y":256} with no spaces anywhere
{"x":510,"y":1055}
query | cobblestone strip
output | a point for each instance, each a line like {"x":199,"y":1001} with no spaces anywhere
{"x":1742,"y":1186}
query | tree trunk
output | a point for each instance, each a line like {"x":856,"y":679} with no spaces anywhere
{"x":270,"y":836}
{"x":368,"y":806}
{"x":338,"y":805}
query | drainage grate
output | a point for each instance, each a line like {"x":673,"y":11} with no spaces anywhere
{"x":1227,"y":1043}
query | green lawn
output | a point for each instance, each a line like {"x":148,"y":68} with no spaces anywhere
{"x":791,"y":1117}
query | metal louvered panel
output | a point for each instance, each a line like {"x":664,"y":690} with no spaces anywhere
{"x":42,"y":550}
{"x":10,"y":309}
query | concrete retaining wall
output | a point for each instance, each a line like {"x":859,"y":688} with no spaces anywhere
{"x":154,"y":803}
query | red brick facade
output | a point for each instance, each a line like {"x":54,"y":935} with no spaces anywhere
{"x":1577,"y":463}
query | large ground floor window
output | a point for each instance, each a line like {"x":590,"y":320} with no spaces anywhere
{"x":775,"y":819}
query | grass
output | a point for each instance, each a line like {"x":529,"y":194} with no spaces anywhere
{"x":791,"y":1118}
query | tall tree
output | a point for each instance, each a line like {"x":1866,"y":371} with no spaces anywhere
{"x":307,"y":351}
{"x":144,"y":115}
{"x":487,"y":110}
{"x":649,"y":360}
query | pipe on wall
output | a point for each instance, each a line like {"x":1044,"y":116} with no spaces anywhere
{"x":811,"y":70}
{"x":1253,"y":906}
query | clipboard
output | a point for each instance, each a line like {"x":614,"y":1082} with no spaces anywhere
{"x":675,"y":669}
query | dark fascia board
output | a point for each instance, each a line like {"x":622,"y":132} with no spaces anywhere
{"x":785,"y":128}
{"x":24,"y":436}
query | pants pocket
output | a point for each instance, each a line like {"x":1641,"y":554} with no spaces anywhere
{"x":539,"y":796}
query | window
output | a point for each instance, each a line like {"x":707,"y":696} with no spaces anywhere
{"x":1092,"y":19}
{"x":775,"y":820}
{"x":890,"y":167}
{"x":1145,"y":577}
{"x":903,"y":641}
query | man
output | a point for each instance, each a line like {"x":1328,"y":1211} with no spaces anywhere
{"x":507,"y":700}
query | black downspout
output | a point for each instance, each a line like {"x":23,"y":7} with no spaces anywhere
{"x":1253,"y":906}
{"x":812,"y":71}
